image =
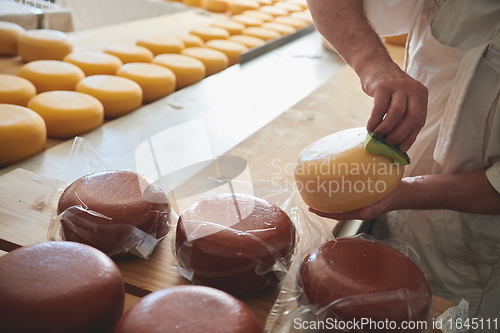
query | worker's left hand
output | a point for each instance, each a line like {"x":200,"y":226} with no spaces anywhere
{"x":397,"y":199}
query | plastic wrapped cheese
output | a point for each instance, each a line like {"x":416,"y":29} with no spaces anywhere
{"x":9,"y":35}
{"x":337,"y":174}
{"x":187,"y":70}
{"x":16,"y":90}
{"x":156,"y":81}
{"x":67,"y":113}
{"x":94,"y":63}
{"x":22,"y":133}
{"x":130,"y":53}
{"x":214,"y":60}
{"x":49,"y":75}
{"x":44,"y":44}
{"x":118,"y":95}
{"x":233,"y":50}
{"x":160,"y":44}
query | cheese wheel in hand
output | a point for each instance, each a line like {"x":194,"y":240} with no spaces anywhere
{"x":22,"y":133}
{"x":44,"y":44}
{"x":336,"y":174}
{"x":16,"y":90}
{"x":9,"y":35}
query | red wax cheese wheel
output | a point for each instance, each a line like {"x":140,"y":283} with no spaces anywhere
{"x":190,"y":309}
{"x":117,"y":195}
{"x":365,"y":279}
{"x":59,"y":287}
{"x":231,"y":242}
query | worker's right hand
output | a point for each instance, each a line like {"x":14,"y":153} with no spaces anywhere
{"x":400,"y":104}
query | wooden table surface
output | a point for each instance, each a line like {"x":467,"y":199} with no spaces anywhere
{"x":26,"y":199}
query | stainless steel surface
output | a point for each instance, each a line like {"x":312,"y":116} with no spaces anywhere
{"x":232,"y":105}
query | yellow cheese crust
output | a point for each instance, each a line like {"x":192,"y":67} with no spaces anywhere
{"x":9,"y":36}
{"x":94,"y":63}
{"x":187,"y":70}
{"x":16,"y":90}
{"x":248,"y":41}
{"x":44,"y":44}
{"x":191,"y":40}
{"x":48,"y":75}
{"x":233,"y":50}
{"x":130,"y":53}
{"x":214,"y":60}
{"x":262,"y":33}
{"x":161,"y":44}
{"x":239,"y":6}
{"x":234,"y":28}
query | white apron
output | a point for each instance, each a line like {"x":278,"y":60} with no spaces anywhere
{"x":460,"y":253}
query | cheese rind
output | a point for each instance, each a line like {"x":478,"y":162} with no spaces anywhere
{"x":130,"y":53}
{"x":208,"y":33}
{"x":214,"y":60}
{"x":118,"y":95}
{"x":191,"y":40}
{"x":22,"y":133}
{"x":161,"y":44}
{"x":233,"y":50}
{"x":9,"y":36}
{"x":48,"y":75}
{"x":234,"y":28}
{"x":217,"y":6}
{"x":193,"y":3}
{"x":239,"y":6}
{"x":67,"y":113}
{"x":94,"y":63}
{"x":156,"y":81}
{"x":44,"y":44}
{"x":16,"y":90}
{"x":187,"y":70}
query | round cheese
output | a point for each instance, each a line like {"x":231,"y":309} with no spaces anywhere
{"x":217,"y":6}
{"x":239,"y":6}
{"x":191,"y":40}
{"x":304,"y":15}
{"x":214,"y":61}
{"x":156,"y":81}
{"x":292,"y":21}
{"x":16,"y":90}
{"x":130,"y":53}
{"x":302,"y":3}
{"x":265,"y":2}
{"x":248,"y":41}
{"x":208,"y":33}
{"x":67,"y":113}
{"x":49,"y":75}
{"x":265,"y":17}
{"x":291,"y":7}
{"x":262,"y":33}
{"x":194,"y":3}
{"x":9,"y":35}
{"x":22,"y":133}
{"x":118,"y":95}
{"x":337,"y":174}
{"x":44,"y":44}
{"x":275,"y":10}
{"x":283,"y":29}
{"x":234,"y":28}
{"x":247,"y":21}
{"x":187,"y":70}
{"x":233,"y":50}
{"x":161,"y":44}
{"x":94,"y":63}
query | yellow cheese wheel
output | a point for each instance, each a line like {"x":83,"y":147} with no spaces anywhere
{"x":292,"y":21}
{"x":214,"y":61}
{"x":265,"y":2}
{"x":248,"y":41}
{"x":22,"y":133}
{"x":118,"y":95}
{"x":187,"y":70}
{"x":291,"y":7}
{"x":161,"y":44}
{"x":247,"y":21}
{"x":233,"y":50}
{"x":9,"y":35}
{"x":239,"y":6}
{"x":304,"y":15}
{"x":274,"y":10}
{"x":208,"y":33}
{"x":265,"y":17}
{"x":283,"y":29}
{"x":234,"y":28}
{"x":302,"y":3}
{"x":130,"y":53}
{"x":194,"y":3}
{"x":262,"y":33}
{"x":217,"y":6}
{"x":49,"y":75}
{"x":67,"y":113}
{"x":336,"y":174}
{"x":94,"y":63}
{"x":44,"y":44}
{"x":16,"y":90}
{"x":156,"y":81}
{"x":191,"y":40}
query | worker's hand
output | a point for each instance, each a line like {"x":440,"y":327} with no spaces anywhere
{"x":400,"y":104}
{"x":397,"y":199}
